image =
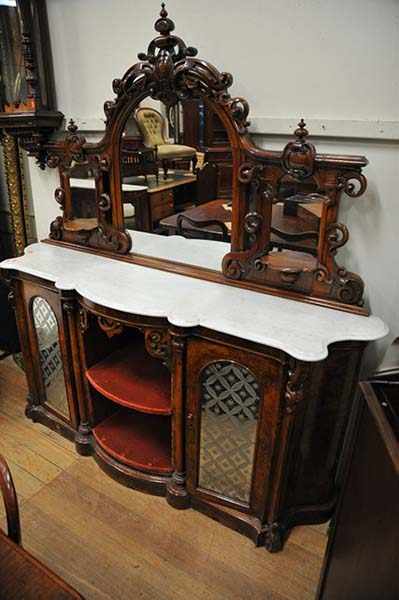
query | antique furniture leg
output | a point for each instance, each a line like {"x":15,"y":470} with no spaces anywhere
{"x":10,"y":501}
{"x":165,"y":166}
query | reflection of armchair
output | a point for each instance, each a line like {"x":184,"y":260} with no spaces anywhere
{"x":138,"y":161}
{"x":152,"y":126}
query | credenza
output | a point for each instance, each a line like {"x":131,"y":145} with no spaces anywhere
{"x":222,"y":399}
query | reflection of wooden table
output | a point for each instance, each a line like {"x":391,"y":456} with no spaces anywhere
{"x":211,"y":211}
{"x":304,"y":221}
{"x":151,"y":201}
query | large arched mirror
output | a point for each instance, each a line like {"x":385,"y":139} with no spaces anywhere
{"x":176,"y":171}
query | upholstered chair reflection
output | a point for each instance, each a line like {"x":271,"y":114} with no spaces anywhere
{"x":152,"y":126}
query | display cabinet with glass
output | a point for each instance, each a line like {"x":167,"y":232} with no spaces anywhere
{"x":193,"y":278}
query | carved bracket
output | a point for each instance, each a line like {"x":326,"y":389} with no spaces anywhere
{"x":157,"y":344}
{"x":109,"y":326}
{"x":346,"y":182}
{"x":297,"y":376}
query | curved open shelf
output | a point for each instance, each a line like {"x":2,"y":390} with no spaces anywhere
{"x":132,"y":378}
{"x":140,"y":441}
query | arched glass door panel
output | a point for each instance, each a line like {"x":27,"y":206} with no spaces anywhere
{"x":52,"y":371}
{"x":229,"y":419}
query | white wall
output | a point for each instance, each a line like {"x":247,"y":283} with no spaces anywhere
{"x":335,"y":62}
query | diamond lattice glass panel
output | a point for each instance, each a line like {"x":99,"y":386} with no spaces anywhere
{"x":229,"y":416}
{"x":49,"y":355}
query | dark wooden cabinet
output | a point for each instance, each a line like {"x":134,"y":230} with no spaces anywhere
{"x":203,"y":130}
{"x":363,"y":549}
{"x":238,"y":430}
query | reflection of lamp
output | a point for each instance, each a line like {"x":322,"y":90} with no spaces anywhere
{"x":152,"y":126}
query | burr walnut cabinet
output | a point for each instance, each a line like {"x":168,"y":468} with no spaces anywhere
{"x":238,"y":414}
{"x":217,"y":371}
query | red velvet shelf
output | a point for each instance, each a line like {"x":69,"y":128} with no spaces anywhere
{"x":133,"y":378}
{"x":137,"y":440}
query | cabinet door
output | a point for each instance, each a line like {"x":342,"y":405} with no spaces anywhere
{"x":232,"y":423}
{"x":48,"y":354}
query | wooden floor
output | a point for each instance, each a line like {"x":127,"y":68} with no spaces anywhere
{"x":113,"y":543}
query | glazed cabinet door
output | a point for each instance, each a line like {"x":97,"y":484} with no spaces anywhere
{"x":233,"y":403}
{"x":47,"y":356}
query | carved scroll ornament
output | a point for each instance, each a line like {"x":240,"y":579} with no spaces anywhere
{"x":170,"y":71}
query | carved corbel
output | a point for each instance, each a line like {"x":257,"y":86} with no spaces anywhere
{"x":109,"y":326}
{"x":298,"y":373}
{"x":157,"y":344}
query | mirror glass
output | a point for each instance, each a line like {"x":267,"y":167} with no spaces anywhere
{"x":82,"y":186}
{"x":176,"y":166}
{"x":46,"y":327}
{"x":229,"y":419}
{"x":296,"y":216}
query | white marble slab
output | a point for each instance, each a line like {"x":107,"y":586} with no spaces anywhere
{"x":201,"y":253}
{"x":302,"y":330}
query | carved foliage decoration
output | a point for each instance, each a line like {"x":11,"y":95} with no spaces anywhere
{"x":72,"y":149}
{"x":109,"y":326}
{"x":157,"y":343}
{"x":169,"y":71}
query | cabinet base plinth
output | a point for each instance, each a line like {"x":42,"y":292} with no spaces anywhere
{"x":83,"y":440}
{"x":176,"y":493}
{"x":128,"y":476}
{"x":39,"y":414}
{"x":275,"y":537}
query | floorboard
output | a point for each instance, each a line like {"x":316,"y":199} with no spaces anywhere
{"x":113,"y":543}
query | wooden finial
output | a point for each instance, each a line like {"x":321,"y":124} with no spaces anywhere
{"x":72,"y":127}
{"x":164,"y":25}
{"x":301,"y":133}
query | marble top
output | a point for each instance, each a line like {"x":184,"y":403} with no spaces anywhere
{"x":302,"y":330}
{"x":200,"y":253}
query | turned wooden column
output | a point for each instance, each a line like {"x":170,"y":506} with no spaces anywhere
{"x":177,"y":495}
{"x":83,"y":437}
